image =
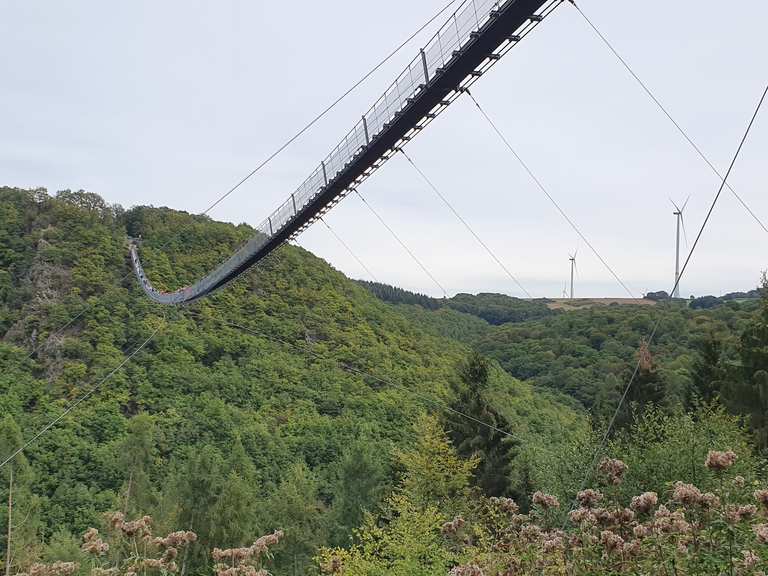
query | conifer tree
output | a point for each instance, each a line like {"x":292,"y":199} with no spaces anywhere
{"x":137,"y":455}
{"x":747,"y":391}
{"x":471,"y":438}
{"x":359,"y":485}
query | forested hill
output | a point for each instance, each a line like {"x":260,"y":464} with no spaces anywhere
{"x":703,"y":348}
{"x":495,"y":309}
{"x":274,"y":404}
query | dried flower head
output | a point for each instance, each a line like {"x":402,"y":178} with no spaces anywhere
{"x":554,"y":543}
{"x":642,"y":531}
{"x":613,"y":470}
{"x":611,"y":541}
{"x":735,"y":514}
{"x":546,"y":501}
{"x":589,"y":498}
{"x":720,"y":461}
{"x":749,"y":560}
{"x":466,"y":570}
{"x":506,"y":505}
{"x":761,"y":531}
{"x":55,"y":569}
{"x":530,"y":532}
{"x":762,"y":497}
{"x":93,"y":544}
{"x":644,"y":503}
{"x":709,"y":501}
{"x":686,"y":494}
{"x":232,"y":558}
{"x":453,"y":527}
{"x":582,"y":515}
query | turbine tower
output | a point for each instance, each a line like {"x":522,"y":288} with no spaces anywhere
{"x":680,"y":224}
{"x":572,"y":258}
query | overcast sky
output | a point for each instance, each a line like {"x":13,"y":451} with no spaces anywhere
{"x":170,"y":103}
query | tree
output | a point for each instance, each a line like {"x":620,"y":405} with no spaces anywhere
{"x":472,"y":439}
{"x":137,"y":455}
{"x":747,"y":392}
{"x":19,"y":542}
{"x":434,"y":472}
{"x":406,"y":539}
{"x":709,"y":374}
{"x":359,"y":485}
{"x":647,"y":388}
{"x":296,"y":509}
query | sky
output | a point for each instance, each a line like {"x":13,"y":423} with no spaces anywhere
{"x":170,"y":103}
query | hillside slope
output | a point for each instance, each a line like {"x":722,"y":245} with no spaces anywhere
{"x":253,"y":403}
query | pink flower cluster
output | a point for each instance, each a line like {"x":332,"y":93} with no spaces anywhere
{"x":644,"y":503}
{"x":545,"y":501}
{"x":720,"y":461}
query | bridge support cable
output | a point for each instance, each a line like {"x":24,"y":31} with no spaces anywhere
{"x":349,"y":250}
{"x":351,"y":369}
{"x":91,"y":391}
{"x":403,"y":244}
{"x":622,"y":399}
{"x":551,"y":198}
{"x":669,"y":116}
{"x":466,"y":224}
{"x":472,"y":41}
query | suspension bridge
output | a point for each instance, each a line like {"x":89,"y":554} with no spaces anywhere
{"x":468,"y":44}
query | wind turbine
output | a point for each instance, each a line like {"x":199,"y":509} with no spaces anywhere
{"x":572,"y":258}
{"x":680,"y":224}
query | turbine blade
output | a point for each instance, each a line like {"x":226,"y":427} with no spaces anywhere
{"x":675,"y":205}
{"x":686,"y":203}
{"x":685,"y":234}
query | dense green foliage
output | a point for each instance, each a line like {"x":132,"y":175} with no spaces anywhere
{"x":250,"y":411}
{"x":657,"y":510}
{"x":590,"y":353}
{"x":493,"y":308}
{"x":295,"y":399}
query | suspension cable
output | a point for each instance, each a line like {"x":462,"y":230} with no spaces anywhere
{"x":466,"y":224}
{"x":549,"y":196}
{"x":405,"y":247}
{"x":351,"y":252}
{"x":666,"y":113}
{"x":75,"y":403}
{"x":330,"y":107}
{"x":723,"y":184}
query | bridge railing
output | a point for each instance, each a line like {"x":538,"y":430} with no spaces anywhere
{"x":469,"y":17}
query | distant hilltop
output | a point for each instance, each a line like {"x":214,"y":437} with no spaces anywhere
{"x":708,"y":301}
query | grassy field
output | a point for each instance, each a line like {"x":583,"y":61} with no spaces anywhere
{"x":581,"y":303}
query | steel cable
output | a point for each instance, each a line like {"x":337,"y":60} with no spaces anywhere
{"x":550,"y":197}
{"x":666,"y":113}
{"x":405,"y":247}
{"x":466,"y":224}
